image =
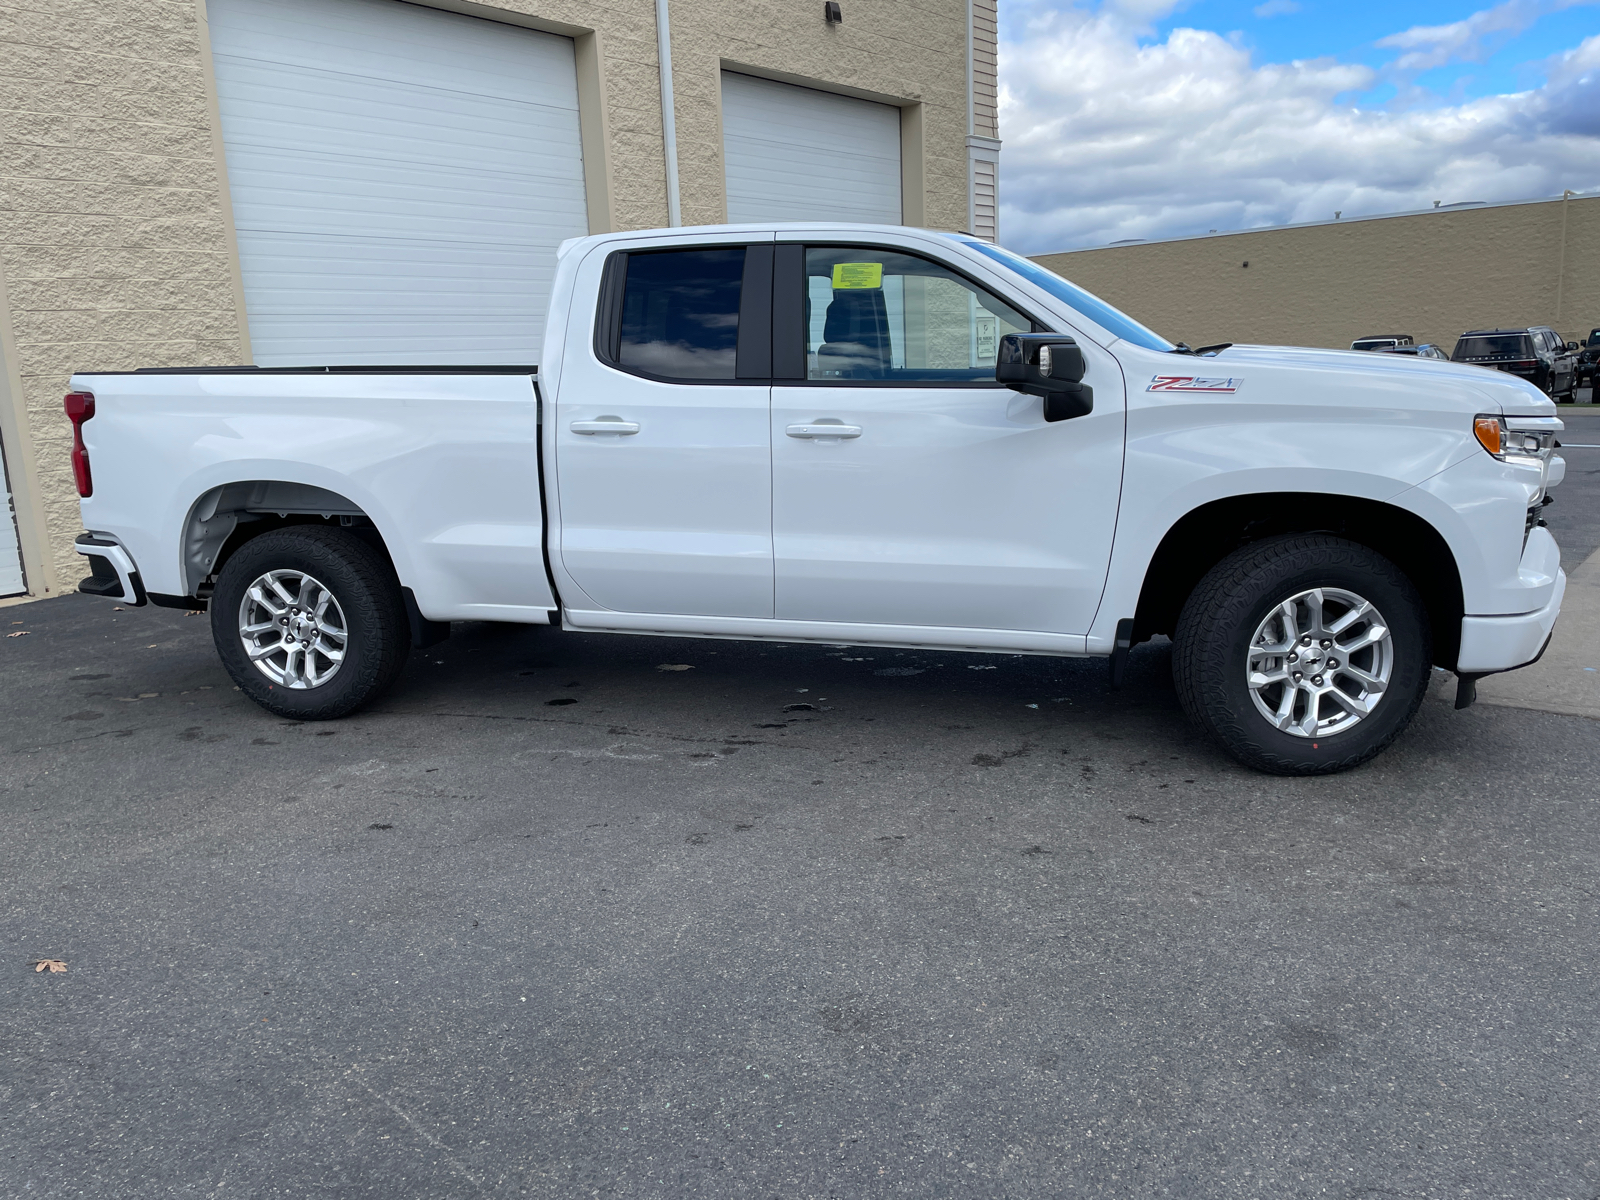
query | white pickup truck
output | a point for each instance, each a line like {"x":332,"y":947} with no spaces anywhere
{"x":874,"y":436}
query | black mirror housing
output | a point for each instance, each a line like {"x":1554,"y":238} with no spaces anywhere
{"x":1048,"y":365}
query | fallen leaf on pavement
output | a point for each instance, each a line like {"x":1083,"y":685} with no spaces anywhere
{"x":18,"y":633}
{"x":54,"y":965}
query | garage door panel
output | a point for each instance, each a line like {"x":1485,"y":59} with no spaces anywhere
{"x":313,"y":194}
{"x":795,"y":154}
{"x":471,"y":278}
{"x":408,"y":342}
{"x":401,"y":178}
{"x":291,"y":109}
{"x":391,"y":42}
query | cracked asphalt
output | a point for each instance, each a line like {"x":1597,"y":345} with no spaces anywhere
{"x":796,"y":921}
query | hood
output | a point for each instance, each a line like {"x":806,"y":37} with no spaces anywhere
{"x":1366,"y":373}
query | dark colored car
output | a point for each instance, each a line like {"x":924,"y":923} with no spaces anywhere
{"x":1536,"y":353}
{"x":1381,"y":341}
{"x":1426,"y":350}
{"x":1589,"y":358}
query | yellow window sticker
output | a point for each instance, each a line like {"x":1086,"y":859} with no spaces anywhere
{"x":858,"y":275}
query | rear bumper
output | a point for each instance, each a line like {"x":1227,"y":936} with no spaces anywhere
{"x":1505,"y":643}
{"x":115,"y":576}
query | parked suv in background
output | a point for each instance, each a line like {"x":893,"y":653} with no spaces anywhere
{"x":1536,"y":353}
{"x":1588,"y":359}
{"x":1381,"y":341}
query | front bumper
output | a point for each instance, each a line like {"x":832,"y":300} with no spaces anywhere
{"x":1490,"y":644}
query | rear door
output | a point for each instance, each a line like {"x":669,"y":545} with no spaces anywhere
{"x":663,"y":453}
{"x":943,"y":499}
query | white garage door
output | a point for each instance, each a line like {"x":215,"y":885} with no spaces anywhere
{"x":797,"y":154}
{"x":401,"y":178}
{"x":11,"y":582}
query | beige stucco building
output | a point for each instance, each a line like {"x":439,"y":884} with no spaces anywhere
{"x":1431,"y":274}
{"x":280,"y":181}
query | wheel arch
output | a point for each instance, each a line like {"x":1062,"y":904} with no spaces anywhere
{"x":1208,"y":533}
{"x":226,"y":517}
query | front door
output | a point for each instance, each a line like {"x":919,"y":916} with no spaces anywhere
{"x":943,"y":499}
{"x":663,"y":455}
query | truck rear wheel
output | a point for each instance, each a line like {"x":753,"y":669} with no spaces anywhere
{"x":310,"y":622}
{"x":1303,"y":655}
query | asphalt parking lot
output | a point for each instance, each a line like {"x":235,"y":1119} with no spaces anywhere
{"x":800,"y":922}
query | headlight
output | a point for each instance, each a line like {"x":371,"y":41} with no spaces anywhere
{"x":1511,"y":444}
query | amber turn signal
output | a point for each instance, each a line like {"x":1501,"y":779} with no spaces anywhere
{"x":1488,"y":430}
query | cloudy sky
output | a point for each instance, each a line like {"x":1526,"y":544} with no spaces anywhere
{"x":1159,"y":118}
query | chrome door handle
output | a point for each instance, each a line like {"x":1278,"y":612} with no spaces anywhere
{"x":607,"y":424}
{"x":824,"y":429}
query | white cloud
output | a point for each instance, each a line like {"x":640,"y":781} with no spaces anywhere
{"x":1107,"y":139}
{"x":1276,"y":8}
{"x":1472,"y":39}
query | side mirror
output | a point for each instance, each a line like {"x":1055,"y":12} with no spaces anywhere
{"x":1049,"y":365}
{"x":1572,"y":347}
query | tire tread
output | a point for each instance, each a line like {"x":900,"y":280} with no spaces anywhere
{"x":1200,"y":678}
{"x":375,"y":605}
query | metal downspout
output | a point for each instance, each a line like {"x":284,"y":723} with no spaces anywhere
{"x":972,"y":122}
{"x":669,"y":120}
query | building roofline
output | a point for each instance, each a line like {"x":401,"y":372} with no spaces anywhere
{"x":1466,"y":206}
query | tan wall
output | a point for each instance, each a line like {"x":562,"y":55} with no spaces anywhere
{"x":1432,"y":275}
{"x":116,"y":245}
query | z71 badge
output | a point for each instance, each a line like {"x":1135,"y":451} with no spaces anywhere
{"x":1192,"y":383}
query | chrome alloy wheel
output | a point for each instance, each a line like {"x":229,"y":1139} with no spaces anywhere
{"x":293,"y":629}
{"x":1320,"y":662}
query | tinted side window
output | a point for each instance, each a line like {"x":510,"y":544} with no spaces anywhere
{"x":877,"y":314}
{"x":680,"y":313}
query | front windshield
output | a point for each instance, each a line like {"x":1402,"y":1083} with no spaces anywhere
{"x":1091,"y":306}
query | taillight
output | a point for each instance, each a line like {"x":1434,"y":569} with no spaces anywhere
{"x":80,"y":408}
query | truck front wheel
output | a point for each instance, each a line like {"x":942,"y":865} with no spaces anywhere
{"x":309,"y":622}
{"x":1303,"y":655}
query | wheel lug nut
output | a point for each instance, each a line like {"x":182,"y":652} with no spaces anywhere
{"x":1326,"y":644}
{"x":1317,"y":679}
{"x":1305,"y":641}
{"x":1294,"y":658}
{"x":1298,"y":677}
{"x":1333,"y":664}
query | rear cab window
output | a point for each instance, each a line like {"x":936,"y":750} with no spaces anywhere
{"x":680,"y":313}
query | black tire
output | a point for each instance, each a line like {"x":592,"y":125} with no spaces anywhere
{"x":1211,"y":651}
{"x":377,"y":637}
